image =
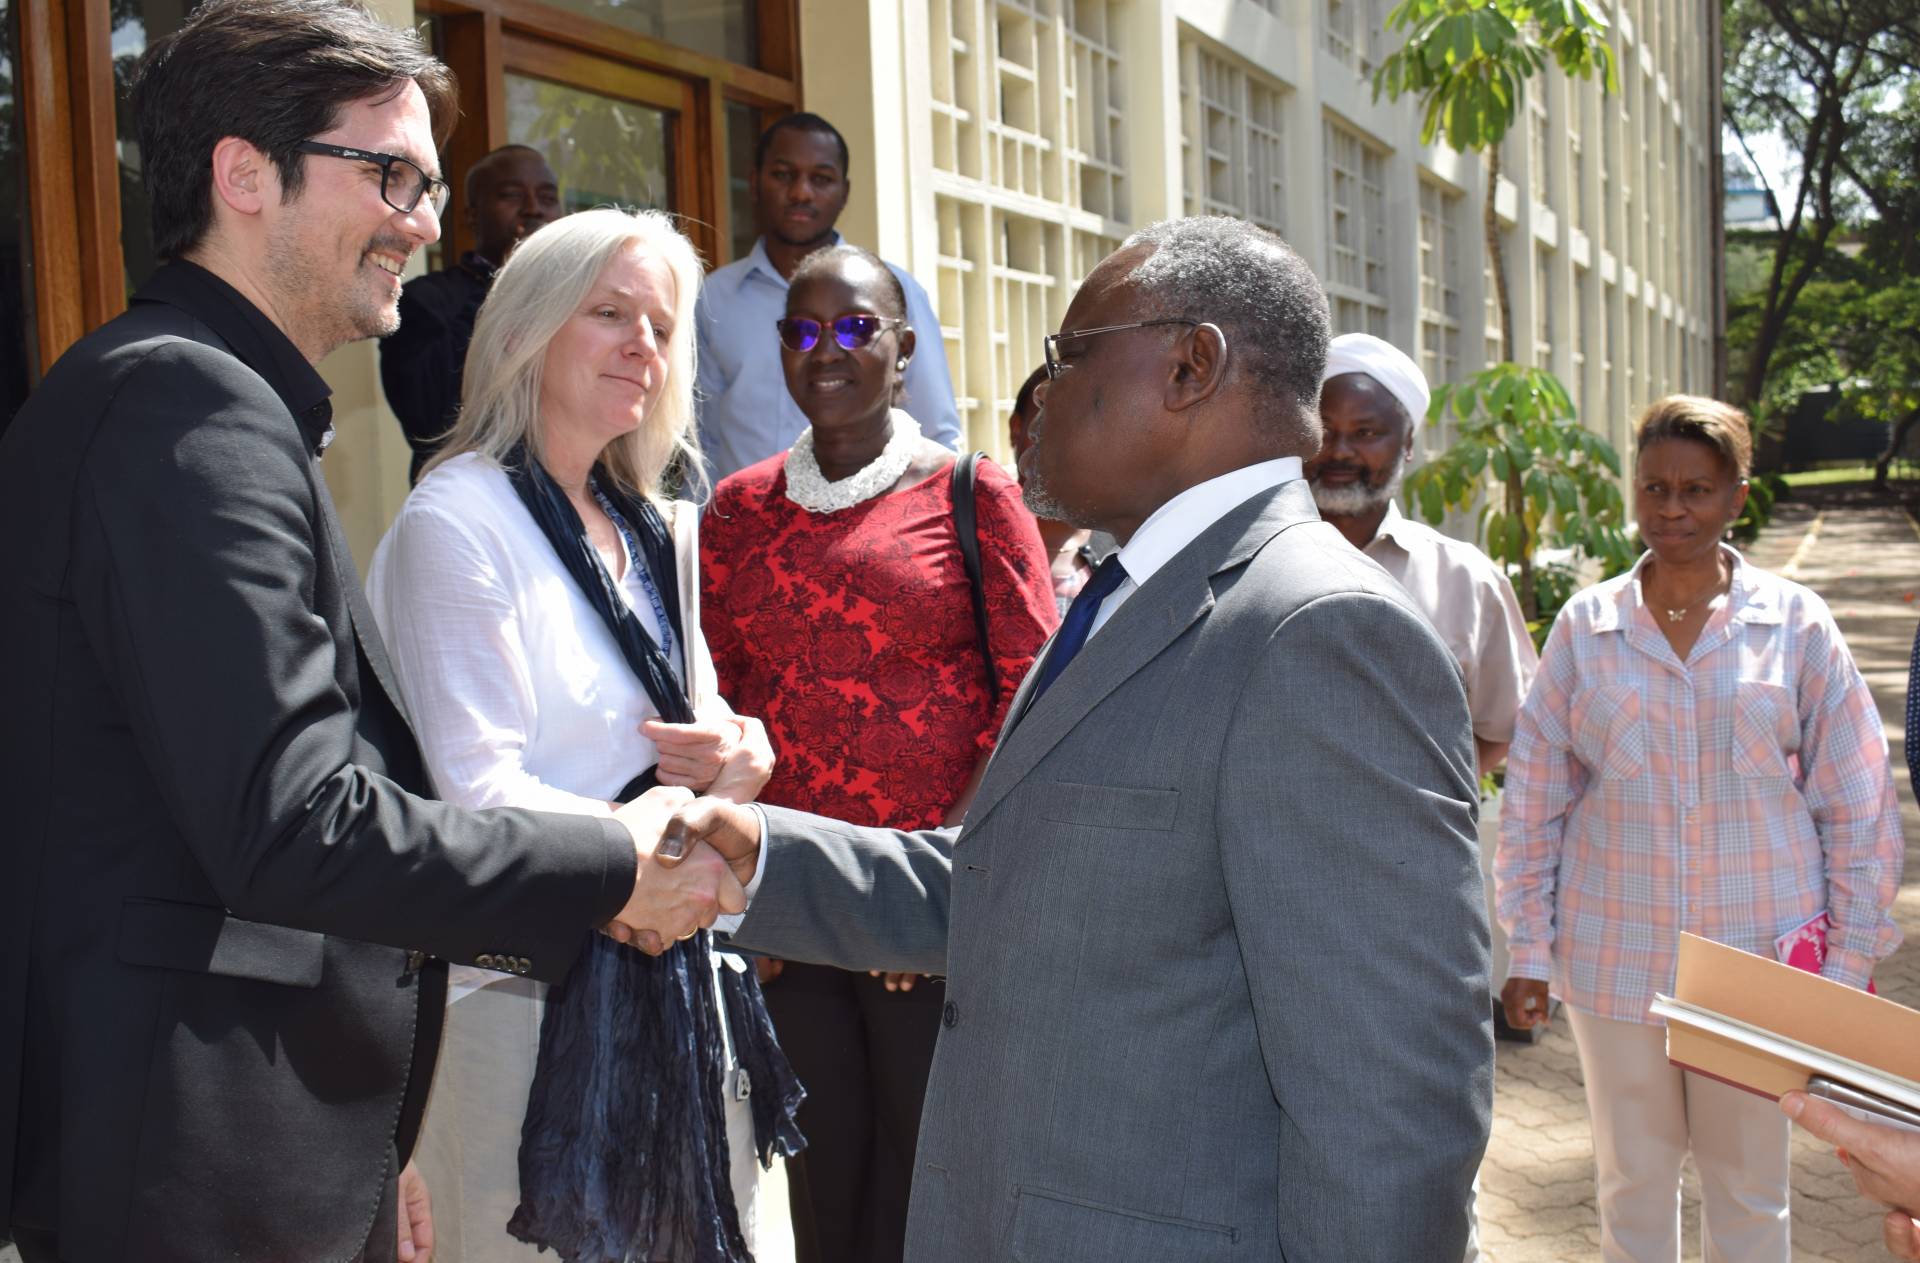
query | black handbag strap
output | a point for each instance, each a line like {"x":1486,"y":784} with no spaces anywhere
{"x":965,"y":524}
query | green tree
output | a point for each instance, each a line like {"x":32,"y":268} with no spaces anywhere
{"x":1855,"y":327}
{"x":1854,"y":318}
{"x":1884,"y":354}
{"x":1836,"y":80}
{"x":1467,"y":63}
{"x":1562,"y":479}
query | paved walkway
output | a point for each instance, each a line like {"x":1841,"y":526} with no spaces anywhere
{"x":1536,"y":1200}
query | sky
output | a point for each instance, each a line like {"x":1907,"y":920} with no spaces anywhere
{"x":1778,"y":161}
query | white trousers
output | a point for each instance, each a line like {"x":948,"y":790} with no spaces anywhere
{"x":1647,"y":1116}
{"x":469,"y":1150}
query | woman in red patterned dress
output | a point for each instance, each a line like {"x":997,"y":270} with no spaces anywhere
{"x":837,"y":607}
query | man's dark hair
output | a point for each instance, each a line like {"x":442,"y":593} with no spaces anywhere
{"x":801,"y":122}
{"x":472,"y":183}
{"x":831,"y":259}
{"x":1264,"y":297}
{"x":273,"y":73}
{"x":1024,"y":400}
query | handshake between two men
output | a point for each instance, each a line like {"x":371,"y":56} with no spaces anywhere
{"x":696,"y":859}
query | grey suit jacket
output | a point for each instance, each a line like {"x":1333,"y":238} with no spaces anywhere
{"x":1213,"y":930}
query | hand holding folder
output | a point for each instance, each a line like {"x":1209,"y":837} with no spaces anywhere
{"x":1770,"y":1028}
{"x":1885,"y":1163}
{"x":1767,"y":1027}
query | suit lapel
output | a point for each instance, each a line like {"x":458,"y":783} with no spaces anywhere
{"x":1178,"y":595}
{"x":1023,"y":696}
{"x":366,"y":632}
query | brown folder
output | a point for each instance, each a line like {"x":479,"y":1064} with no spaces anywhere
{"x":1767,"y":1027}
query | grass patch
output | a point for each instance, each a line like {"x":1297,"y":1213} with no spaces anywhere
{"x":1827,"y":477}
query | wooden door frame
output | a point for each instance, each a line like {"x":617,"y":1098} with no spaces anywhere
{"x":482,"y":37}
{"x":72,"y":172}
{"x":570,"y":66}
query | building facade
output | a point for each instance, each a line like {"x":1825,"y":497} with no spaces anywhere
{"x":999,"y":149}
{"x":1037,"y":133}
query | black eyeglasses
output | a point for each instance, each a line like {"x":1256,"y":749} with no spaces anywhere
{"x":852,"y":332}
{"x":402,"y":182}
{"x":1051,"y":344}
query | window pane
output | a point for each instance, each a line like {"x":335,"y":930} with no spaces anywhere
{"x":607,"y":152}
{"x":16,"y":280}
{"x":720,"y":28}
{"x":743,"y":133}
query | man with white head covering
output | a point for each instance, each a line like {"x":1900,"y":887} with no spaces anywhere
{"x":1371,"y":398}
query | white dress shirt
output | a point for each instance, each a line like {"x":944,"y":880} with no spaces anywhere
{"x":1185,"y":518}
{"x":746,"y":414}
{"x":518,"y":692}
{"x":1471,"y":604}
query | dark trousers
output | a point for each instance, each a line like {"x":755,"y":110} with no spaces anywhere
{"x":863,"y":1054}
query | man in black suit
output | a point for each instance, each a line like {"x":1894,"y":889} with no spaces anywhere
{"x":225,"y":899}
{"x":511,"y":193}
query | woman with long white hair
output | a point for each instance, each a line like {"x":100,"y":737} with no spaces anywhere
{"x":540,"y":597}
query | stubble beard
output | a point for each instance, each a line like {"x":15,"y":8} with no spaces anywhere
{"x":1042,"y":503}
{"x":331,"y":317}
{"x":818,"y":241}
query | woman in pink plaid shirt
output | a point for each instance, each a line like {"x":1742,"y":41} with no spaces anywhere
{"x":1698,"y":753}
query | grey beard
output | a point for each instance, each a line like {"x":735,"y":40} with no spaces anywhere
{"x":1354,"y":501}
{"x":1041,"y":503}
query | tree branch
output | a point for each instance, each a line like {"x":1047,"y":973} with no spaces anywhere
{"x":1882,"y":207}
{"x":1758,"y":171}
{"x":1786,"y":18}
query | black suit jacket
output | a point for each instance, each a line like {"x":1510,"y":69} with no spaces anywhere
{"x":421,"y":363}
{"x":221,"y":886}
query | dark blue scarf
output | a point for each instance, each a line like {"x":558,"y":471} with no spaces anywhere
{"x":623,"y":1154}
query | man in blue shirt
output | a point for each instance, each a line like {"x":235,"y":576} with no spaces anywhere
{"x":799,"y":188}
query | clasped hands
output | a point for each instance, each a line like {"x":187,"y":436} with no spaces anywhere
{"x":696,"y":857}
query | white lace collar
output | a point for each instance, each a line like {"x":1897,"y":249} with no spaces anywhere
{"x":809,"y":488}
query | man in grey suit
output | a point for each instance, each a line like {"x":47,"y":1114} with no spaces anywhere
{"x":1213,"y":929}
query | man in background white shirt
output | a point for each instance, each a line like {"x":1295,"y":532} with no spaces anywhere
{"x":799,"y":188}
{"x":1370,"y":396}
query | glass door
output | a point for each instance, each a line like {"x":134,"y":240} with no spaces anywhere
{"x":616,"y":135}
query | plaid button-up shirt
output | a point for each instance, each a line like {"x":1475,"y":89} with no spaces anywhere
{"x":1733,"y":796}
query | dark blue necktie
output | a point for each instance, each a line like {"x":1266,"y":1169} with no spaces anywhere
{"x":1078,"y":624}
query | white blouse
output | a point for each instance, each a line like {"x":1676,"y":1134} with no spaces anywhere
{"x":517,"y":690}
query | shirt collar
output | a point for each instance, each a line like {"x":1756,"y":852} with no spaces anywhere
{"x":1183,"y":519}
{"x":758,"y":262}
{"x":1391,"y":526}
{"x":1753,"y":596}
{"x":478,"y":266}
{"x":255,"y":340}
